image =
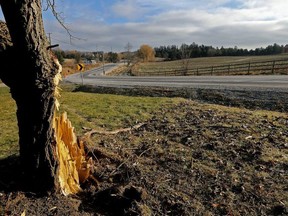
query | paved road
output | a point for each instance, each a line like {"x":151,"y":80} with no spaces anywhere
{"x":95,"y":77}
{"x":100,"y":71}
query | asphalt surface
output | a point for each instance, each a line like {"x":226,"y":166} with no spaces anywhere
{"x":96,"y":77}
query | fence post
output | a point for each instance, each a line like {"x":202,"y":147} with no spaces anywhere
{"x":273,"y":66}
{"x":249,"y":68}
{"x":197,"y":72}
{"x":212,"y":69}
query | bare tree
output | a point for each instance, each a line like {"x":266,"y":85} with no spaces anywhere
{"x":32,"y":84}
{"x":185,"y":55}
{"x":128,"y":48}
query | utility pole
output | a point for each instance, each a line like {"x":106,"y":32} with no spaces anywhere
{"x":128,"y":47}
{"x":103,"y":63}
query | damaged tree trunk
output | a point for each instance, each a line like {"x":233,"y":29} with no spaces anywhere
{"x":29,"y":70}
{"x":51,"y":156}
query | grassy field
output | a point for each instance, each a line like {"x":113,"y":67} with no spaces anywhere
{"x":108,"y":111}
{"x":8,"y":124}
{"x":88,"y":110}
{"x":188,"y":158}
{"x":151,"y":68}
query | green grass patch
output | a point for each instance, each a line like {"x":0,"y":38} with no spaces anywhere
{"x":8,"y":124}
{"x":109,"y":111}
{"x":96,"y":111}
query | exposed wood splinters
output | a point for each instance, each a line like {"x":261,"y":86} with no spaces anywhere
{"x":74,"y":168}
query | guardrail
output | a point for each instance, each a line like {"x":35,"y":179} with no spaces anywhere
{"x":255,"y":68}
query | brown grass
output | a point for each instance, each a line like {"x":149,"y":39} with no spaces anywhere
{"x":70,"y":67}
{"x":154,"y":68}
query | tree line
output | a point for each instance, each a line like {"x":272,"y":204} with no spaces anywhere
{"x":172,"y":52}
{"x":194,"y":50}
{"x":144,"y":53}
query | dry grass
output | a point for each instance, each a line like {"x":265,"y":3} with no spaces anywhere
{"x":121,"y":70}
{"x":194,"y":63}
{"x":202,"y":159}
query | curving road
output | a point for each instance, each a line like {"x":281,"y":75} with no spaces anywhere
{"x":259,"y":82}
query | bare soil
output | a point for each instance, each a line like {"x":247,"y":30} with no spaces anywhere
{"x":188,"y":159}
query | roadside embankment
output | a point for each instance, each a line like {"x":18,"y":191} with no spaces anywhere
{"x":273,"y":99}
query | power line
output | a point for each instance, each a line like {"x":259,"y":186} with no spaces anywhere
{"x":73,"y":45}
{"x":49,"y":36}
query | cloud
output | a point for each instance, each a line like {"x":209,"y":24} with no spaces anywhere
{"x":128,"y":9}
{"x":109,"y":23}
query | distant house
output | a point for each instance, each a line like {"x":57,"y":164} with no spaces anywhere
{"x":88,"y":61}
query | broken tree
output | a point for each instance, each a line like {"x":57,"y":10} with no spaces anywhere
{"x":32,"y":74}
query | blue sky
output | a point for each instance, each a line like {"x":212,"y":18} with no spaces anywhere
{"x":111,"y":24}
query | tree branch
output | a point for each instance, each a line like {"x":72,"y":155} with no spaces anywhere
{"x":51,"y":4}
{"x":135,"y":127}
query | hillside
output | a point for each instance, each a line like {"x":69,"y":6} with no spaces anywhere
{"x":241,"y":65}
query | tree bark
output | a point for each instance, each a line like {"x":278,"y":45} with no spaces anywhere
{"x":29,"y":74}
